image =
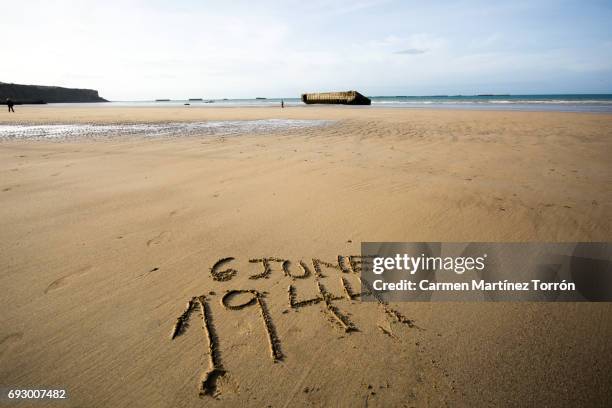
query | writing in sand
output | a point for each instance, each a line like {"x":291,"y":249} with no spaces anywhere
{"x":347,"y":268}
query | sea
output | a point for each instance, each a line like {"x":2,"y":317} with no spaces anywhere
{"x":596,"y":103}
{"x":560,"y":103}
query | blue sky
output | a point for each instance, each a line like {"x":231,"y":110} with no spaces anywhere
{"x":132,"y":50}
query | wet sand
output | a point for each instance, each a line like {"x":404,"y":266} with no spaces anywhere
{"x":104,"y":243}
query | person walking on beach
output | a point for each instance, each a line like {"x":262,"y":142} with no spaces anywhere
{"x":10,"y":105}
{"x":282,"y":103}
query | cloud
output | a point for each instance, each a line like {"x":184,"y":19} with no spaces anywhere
{"x":219,"y":50}
{"x":343,"y":7}
{"x":412,"y":51}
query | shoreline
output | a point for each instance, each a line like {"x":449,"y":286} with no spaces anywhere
{"x":158,"y":114}
{"x":605,"y":110}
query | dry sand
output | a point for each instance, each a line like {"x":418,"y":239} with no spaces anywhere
{"x":103,"y":243}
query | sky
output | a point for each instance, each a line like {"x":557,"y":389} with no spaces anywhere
{"x":142,"y":50}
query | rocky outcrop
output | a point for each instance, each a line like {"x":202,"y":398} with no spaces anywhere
{"x":46,"y":94}
{"x":344,"y":98}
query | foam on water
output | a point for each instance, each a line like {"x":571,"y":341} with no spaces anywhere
{"x":210,"y":128}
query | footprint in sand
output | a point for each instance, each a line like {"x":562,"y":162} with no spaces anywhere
{"x":8,"y":341}
{"x":161,"y":237}
{"x":149,"y":272}
{"x":64,"y":280}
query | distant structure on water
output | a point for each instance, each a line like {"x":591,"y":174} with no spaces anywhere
{"x":343,"y":98}
{"x":162,"y":100}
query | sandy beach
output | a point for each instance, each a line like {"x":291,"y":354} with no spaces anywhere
{"x":104,"y":242}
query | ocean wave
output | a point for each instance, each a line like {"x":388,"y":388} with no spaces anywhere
{"x":555,"y":102}
{"x":486,"y":102}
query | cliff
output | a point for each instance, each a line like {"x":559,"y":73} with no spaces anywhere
{"x":46,"y":94}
